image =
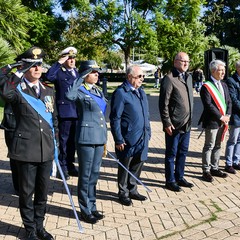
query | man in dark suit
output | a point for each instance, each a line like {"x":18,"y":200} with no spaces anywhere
{"x":176,"y":107}
{"x":32,"y":146}
{"x":215,"y":117}
{"x":232,"y":153}
{"x":62,"y":74}
{"x":129,"y":119}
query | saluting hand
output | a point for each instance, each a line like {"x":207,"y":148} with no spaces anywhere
{"x":63,"y":59}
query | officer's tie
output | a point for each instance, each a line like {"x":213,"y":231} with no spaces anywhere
{"x":36,"y":90}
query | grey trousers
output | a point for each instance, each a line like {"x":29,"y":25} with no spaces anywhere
{"x":212,"y":149}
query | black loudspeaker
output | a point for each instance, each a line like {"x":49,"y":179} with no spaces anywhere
{"x":215,"y":53}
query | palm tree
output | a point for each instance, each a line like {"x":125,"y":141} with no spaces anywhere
{"x":13,"y":23}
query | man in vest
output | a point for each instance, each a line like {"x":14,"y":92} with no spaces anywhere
{"x":215,"y":117}
{"x":32,"y":146}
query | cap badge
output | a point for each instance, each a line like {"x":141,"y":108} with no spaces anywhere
{"x":71,"y":52}
{"x":36,"y":52}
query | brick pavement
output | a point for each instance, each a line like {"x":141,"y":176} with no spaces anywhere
{"x":207,"y":211}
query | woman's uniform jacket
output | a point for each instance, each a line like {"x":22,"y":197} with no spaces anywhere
{"x":91,"y":127}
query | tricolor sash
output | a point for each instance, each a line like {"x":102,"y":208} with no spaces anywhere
{"x":219,"y":101}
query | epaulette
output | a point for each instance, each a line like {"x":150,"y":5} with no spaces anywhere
{"x":47,"y":84}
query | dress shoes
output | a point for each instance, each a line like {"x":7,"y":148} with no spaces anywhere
{"x":184,"y":183}
{"x":173,"y":187}
{"x":207,"y":177}
{"x":230,"y":169}
{"x":218,"y":173}
{"x":73,"y":172}
{"x":89,"y":218}
{"x":236,"y":166}
{"x":137,"y":196}
{"x":125,"y":201}
{"x":32,"y":236}
{"x":44,"y":235}
{"x":65,"y":173}
{"x":98,"y":215}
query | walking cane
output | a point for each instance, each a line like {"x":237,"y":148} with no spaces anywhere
{"x":66,"y":187}
{"x":138,"y":180}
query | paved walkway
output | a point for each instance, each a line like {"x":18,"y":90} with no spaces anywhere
{"x":207,"y":211}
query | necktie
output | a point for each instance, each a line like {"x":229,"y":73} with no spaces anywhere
{"x":36,"y":91}
{"x":137,"y":93}
{"x":220,"y":88}
{"x":95,"y":91}
{"x":73,"y":72}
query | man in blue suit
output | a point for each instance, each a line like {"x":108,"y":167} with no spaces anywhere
{"x":62,"y":74}
{"x":129,"y":119}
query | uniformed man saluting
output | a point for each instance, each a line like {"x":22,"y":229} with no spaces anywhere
{"x":32,"y":146}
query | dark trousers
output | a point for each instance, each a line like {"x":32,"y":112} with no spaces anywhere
{"x":67,"y":129}
{"x":34,"y":179}
{"x":176,"y":151}
{"x":89,"y":159}
{"x":14,"y":171}
{"x":126,"y":183}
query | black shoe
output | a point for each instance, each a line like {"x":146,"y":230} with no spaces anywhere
{"x":98,"y":215}
{"x":125,"y":201}
{"x":236,"y":166}
{"x":32,"y":236}
{"x":230,"y":169}
{"x":44,"y":235}
{"x":137,"y":196}
{"x":89,"y":218}
{"x":73,"y":172}
{"x":185,"y":183}
{"x":173,"y":187}
{"x":207,"y":177}
{"x":65,"y":173}
{"x":218,"y":173}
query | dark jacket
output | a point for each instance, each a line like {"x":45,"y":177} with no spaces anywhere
{"x":233,"y":84}
{"x":176,"y":101}
{"x":33,"y":139}
{"x":211,"y":115}
{"x":91,"y":127}
{"x":62,"y":80}
{"x":129,"y":120}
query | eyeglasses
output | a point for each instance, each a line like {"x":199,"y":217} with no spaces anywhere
{"x":139,"y":76}
{"x":183,"y":61}
{"x":71,"y":57}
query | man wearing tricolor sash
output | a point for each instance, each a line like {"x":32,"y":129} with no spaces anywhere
{"x":32,"y":146}
{"x":215,"y":117}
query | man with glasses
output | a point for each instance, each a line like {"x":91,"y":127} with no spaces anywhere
{"x":62,"y":74}
{"x":129,"y":120}
{"x":176,"y":105}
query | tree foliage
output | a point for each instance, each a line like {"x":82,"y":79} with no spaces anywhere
{"x":222,"y":19}
{"x":13,"y":23}
{"x":179,"y":29}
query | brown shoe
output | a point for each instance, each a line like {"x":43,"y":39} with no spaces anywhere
{"x":218,"y":173}
{"x":207,"y":177}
